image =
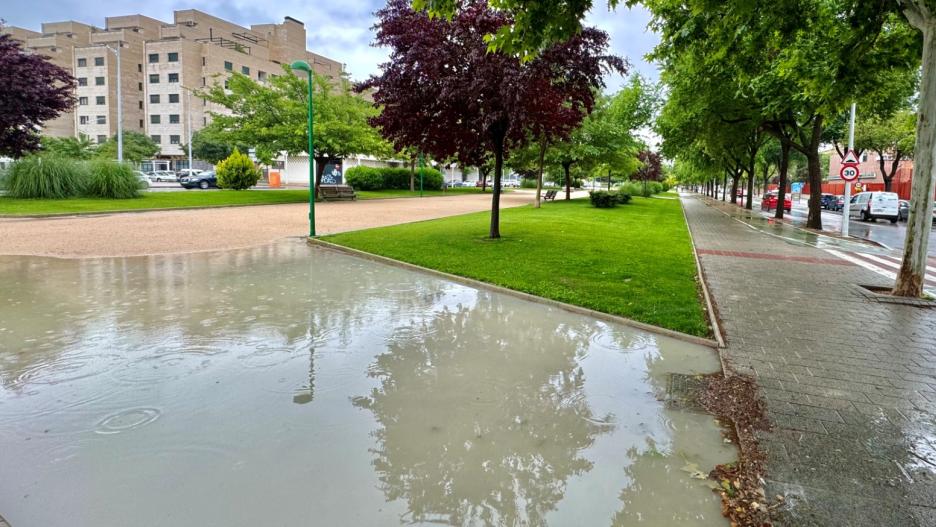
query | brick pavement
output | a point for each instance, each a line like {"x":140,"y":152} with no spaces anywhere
{"x":850,"y":383}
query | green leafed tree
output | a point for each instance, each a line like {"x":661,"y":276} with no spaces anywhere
{"x":892,"y":139}
{"x":272,"y":118}
{"x":80,"y":148}
{"x":207,"y":147}
{"x":136,"y":147}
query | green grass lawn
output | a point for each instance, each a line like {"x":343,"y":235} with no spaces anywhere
{"x":634,"y":260}
{"x":188,"y":198}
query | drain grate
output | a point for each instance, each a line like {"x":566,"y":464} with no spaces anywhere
{"x":682,"y":391}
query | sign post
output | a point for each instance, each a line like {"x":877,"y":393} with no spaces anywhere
{"x":849,"y":172}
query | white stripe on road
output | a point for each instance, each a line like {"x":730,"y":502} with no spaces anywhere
{"x":893,"y":262}
{"x":858,"y":259}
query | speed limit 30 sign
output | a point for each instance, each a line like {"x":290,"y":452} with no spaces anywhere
{"x":849,"y":172}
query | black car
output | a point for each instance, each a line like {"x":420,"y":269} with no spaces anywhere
{"x":903,"y":210}
{"x":203,"y":180}
{"x":827,"y":201}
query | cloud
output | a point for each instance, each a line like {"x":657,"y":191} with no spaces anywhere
{"x":338,"y":29}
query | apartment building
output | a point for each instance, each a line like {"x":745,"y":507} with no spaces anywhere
{"x":161,"y":64}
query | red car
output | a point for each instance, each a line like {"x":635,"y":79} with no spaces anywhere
{"x":770,"y":202}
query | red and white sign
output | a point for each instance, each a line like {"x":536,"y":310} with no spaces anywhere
{"x":849,"y":170}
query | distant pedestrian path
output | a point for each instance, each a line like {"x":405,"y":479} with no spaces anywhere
{"x":162,"y":232}
{"x":850,"y":381}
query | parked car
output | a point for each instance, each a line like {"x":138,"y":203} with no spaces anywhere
{"x":827,"y":201}
{"x":869,"y":206}
{"x":143,"y":177}
{"x":903,"y":210}
{"x":839,"y":203}
{"x":769,"y":202}
{"x":188,"y":172}
{"x":163,"y":175}
{"x":201,"y":180}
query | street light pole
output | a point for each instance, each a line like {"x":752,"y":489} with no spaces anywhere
{"x":302,"y":65}
{"x":846,"y":202}
{"x":116,"y":51}
{"x":188,"y":102}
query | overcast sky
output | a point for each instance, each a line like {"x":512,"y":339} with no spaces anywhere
{"x":339,"y":29}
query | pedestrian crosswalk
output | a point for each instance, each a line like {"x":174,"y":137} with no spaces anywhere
{"x":886,"y":265}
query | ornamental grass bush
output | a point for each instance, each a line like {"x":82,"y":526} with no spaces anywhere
{"x":604,"y":199}
{"x":631,"y":188}
{"x":237,"y":172}
{"x":46,"y":177}
{"x":380,"y":178}
{"x":107,"y":178}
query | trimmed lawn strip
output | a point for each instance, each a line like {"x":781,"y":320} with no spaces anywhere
{"x":634,"y":260}
{"x":188,"y":199}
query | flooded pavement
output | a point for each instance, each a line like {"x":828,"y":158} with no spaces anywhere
{"x":289,"y":385}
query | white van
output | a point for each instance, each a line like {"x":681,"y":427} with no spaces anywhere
{"x":869,"y":206}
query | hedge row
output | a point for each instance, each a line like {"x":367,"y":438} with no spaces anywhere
{"x":604,"y":199}
{"x":379,"y":178}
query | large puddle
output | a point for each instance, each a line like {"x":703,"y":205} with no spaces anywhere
{"x":288,"y":385}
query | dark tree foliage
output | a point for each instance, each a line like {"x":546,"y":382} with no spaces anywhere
{"x":32,"y":91}
{"x":444,"y":93}
{"x":651,"y":168}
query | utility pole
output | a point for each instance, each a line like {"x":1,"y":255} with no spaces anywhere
{"x":188,"y":104}
{"x":847,"y":201}
{"x":116,"y":51}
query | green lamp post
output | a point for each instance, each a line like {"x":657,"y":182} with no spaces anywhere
{"x":302,"y":65}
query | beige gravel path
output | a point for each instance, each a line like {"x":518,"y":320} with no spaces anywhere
{"x":161,"y":232}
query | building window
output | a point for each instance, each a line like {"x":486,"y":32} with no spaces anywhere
{"x":83,"y":119}
{"x":173,"y":118}
{"x":261,"y":75}
{"x":98,"y":61}
{"x":228,"y":66}
{"x":139,"y":68}
{"x":203,"y":82}
{"x":245,"y":70}
{"x":101,"y":139}
{"x":140,"y":86}
{"x":173,"y":97}
{"x":101,"y":119}
{"x":204,"y":121}
{"x":204,"y":61}
{"x":174,"y":139}
{"x":154,"y":119}
{"x":82,"y":63}
{"x":99,"y":81}
{"x":82,"y":101}
{"x":141,"y":104}
{"x":172,"y":57}
{"x":156,"y":139}
{"x":154,"y":98}
{"x":100,"y":99}
{"x":154,"y":58}
{"x":173,"y":77}
{"x":82,"y":81}
{"x":154,"y":78}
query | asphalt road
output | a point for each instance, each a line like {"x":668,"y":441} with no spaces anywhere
{"x":881,"y":231}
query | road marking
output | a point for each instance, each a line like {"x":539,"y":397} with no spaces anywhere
{"x":876,"y":265}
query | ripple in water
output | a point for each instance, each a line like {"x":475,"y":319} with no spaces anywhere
{"x":127,"y":420}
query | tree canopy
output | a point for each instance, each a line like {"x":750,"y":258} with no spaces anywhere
{"x":32,"y":91}
{"x":136,"y":147}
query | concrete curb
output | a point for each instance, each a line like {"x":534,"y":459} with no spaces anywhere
{"x":709,"y":305}
{"x":519,"y":294}
{"x":132,"y":211}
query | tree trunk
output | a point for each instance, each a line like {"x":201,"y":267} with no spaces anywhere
{"x":483,"y":181}
{"x":724,"y":187}
{"x":498,"y":171}
{"x":782,"y":178}
{"x":609,"y":180}
{"x":913,"y":268}
{"x":539,"y":175}
{"x":412,"y":176}
{"x":320,"y":163}
{"x":568,"y":180}
{"x":814,"y":220}
{"x":735,"y":176}
{"x":749,"y":200}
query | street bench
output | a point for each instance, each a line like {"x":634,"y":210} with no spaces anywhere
{"x":550,"y":195}
{"x":337,"y":192}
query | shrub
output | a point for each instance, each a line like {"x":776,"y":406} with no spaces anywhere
{"x":631,"y":188}
{"x":603,"y":199}
{"x":237,"y":172}
{"x":655,"y":187}
{"x":379,"y":178}
{"x":109,"y":179}
{"x":527,"y":183}
{"x":45,"y":176}
{"x":623,"y":198}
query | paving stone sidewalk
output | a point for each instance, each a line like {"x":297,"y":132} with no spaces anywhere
{"x":850,"y":383}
